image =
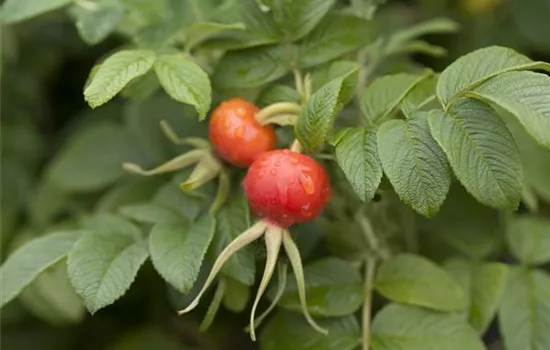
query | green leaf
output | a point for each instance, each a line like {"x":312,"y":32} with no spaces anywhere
{"x":403,"y":40}
{"x":383,"y":96}
{"x":477,"y":67}
{"x":317,"y":116}
{"x":535,"y":159}
{"x":18,"y":10}
{"x":140,"y":190}
{"x":236,"y":295}
{"x":400,"y":327}
{"x":418,"y":47}
{"x":357,"y":155}
{"x":251,"y":68}
{"x":232,"y":220}
{"x":260,"y":28}
{"x":25,"y":264}
{"x":143,"y":118}
{"x":335,"y":36}
{"x":298,"y":18}
{"x":46,"y":203}
{"x":151,"y":213}
{"x":104,"y":263}
{"x":115,"y":73}
{"x":51,"y":297}
{"x":198,"y":32}
{"x":528,"y":239}
{"x":85,"y":165}
{"x":526,"y":95}
{"x":291,"y":331}
{"x":367,"y":8}
{"x":414,"y":163}
{"x":412,"y":279}
{"x":421,"y":96}
{"x":147,"y":339}
{"x":462,"y":226}
{"x":484,"y":285}
{"x":185,"y":81}
{"x":97,"y":22}
{"x":333,"y":288}
{"x":481,"y":151}
{"x":172,"y":197}
{"x":332,"y":71}
{"x":177,"y":250}
{"x":523,"y":317}
{"x":277,"y":93}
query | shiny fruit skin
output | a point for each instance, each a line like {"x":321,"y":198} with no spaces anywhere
{"x":286,"y":187}
{"x":236,"y":136}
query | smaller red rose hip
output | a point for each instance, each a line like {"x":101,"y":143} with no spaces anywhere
{"x":286,"y":187}
{"x":236,"y":135}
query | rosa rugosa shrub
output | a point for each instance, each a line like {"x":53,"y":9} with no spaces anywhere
{"x":268,"y":174}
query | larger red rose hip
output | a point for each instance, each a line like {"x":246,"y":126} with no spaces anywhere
{"x":287,"y":187}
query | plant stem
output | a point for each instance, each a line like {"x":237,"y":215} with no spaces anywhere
{"x":214,"y":306}
{"x":368,"y":232}
{"x":299,"y":83}
{"x":409,"y":230}
{"x":370,"y":267}
{"x":372,"y":241}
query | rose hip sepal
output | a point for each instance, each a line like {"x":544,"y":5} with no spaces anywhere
{"x":236,"y":135}
{"x":285,"y":187}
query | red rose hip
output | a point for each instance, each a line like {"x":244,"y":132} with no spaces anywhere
{"x":286,"y":187}
{"x":236,"y":135}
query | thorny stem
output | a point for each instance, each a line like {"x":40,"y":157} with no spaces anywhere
{"x":370,"y":267}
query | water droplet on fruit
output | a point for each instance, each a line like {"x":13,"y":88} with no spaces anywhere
{"x":305,"y":210}
{"x":261,"y":174}
{"x":240,"y":131}
{"x":294,"y":160}
{"x":307,"y":183}
{"x":273,"y":171}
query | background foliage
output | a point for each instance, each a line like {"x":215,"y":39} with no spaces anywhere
{"x":474,"y":275}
